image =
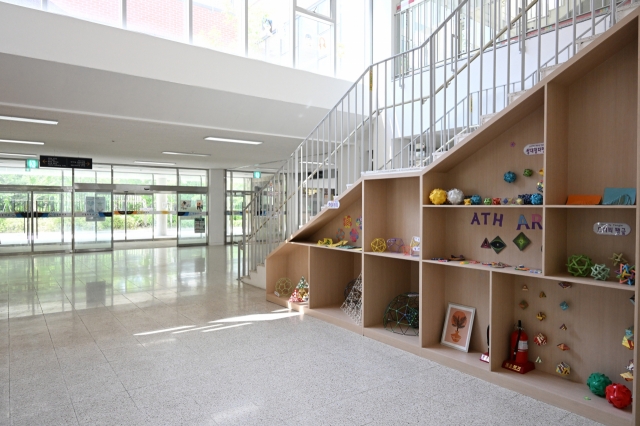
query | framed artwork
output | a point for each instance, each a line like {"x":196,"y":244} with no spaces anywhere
{"x":458,"y":323}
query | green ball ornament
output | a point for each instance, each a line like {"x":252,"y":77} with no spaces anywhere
{"x":528,"y":172}
{"x":487,"y":201}
{"x":597,"y":383}
{"x":579,"y":265}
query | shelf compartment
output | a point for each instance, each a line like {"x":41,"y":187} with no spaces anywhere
{"x":384,"y":279}
{"x":441,"y":286}
{"x":330,"y":272}
{"x":583,"y":156}
{"x":483,"y":172}
{"x":468,"y":362}
{"x":570,"y":231}
{"x":393,"y":209}
{"x":291,"y":261}
{"x":392,"y":255}
{"x":336,"y":316}
{"x":330,"y":221}
{"x":449,"y":232}
{"x":595,"y":344}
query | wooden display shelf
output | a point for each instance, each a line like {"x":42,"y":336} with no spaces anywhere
{"x":598,"y":206}
{"x":316,"y":245}
{"x":392,"y":255}
{"x":486,"y":206}
{"x":452,"y":357}
{"x":405,"y":342}
{"x":336,"y":316}
{"x":284,"y":301}
{"x":610,"y":283}
{"x":481,"y":267}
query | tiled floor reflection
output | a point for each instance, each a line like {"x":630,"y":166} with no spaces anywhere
{"x":168,"y":337}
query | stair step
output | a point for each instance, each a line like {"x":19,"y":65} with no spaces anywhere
{"x":546,"y":71}
{"x":625,"y":10}
{"x":460,"y":137}
{"x":515,"y":95}
{"x":486,"y":117}
{"x":584,"y":42}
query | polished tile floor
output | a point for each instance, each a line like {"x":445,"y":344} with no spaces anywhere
{"x":168,"y":337}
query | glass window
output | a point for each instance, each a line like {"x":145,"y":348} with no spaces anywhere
{"x":321,"y":7}
{"x":13,"y":172}
{"x":351,"y":46}
{"x":314,"y":45}
{"x":162,"y":18}
{"x":99,"y":174}
{"x":269,"y":29}
{"x":193,"y":177}
{"x":217,"y":24}
{"x":103,"y":11}
{"x":36,"y":4}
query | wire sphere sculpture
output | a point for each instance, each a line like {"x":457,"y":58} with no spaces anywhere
{"x":378,"y":245}
{"x":349,"y":287}
{"x":284,"y":287}
{"x":402,"y":315}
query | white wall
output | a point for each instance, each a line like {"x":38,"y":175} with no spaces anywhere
{"x":47,"y":36}
{"x":216,"y":207}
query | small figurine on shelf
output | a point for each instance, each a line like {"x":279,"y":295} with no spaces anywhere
{"x":540,"y":186}
{"x":509,"y":177}
{"x":627,"y":274}
{"x":527,"y":173}
{"x":518,"y":360}
{"x":618,"y":259}
{"x":438,"y":196}
{"x":564,"y":306}
{"x":564,"y":285}
{"x":284,"y":287}
{"x":579,"y":265}
{"x":628,"y":339}
{"x":476,"y":200}
{"x":563,"y":347}
{"x":523,"y":305}
{"x":563,"y":369}
{"x":598,"y":383}
{"x":467,"y":201}
{"x":536,"y":199}
{"x":487,"y":201}
{"x":455,"y":196}
{"x":563,"y":327}
{"x":600,"y":272}
{"x":618,"y":395}
{"x":495,"y":201}
{"x":526,"y":198}
{"x":539,"y":360}
{"x":540,"y":339}
{"x":628,"y":376}
{"x":378,"y":245}
{"x":541,"y":316}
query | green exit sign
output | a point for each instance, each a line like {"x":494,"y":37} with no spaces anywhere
{"x":32,"y":163}
{"x":257,"y":175}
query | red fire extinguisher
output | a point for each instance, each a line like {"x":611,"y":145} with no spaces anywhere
{"x":519,"y":352}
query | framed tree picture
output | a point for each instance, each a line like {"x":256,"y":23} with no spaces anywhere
{"x":458,"y":323}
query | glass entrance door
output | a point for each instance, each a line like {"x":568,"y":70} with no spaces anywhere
{"x":93,"y":220}
{"x":51,"y":221}
{"x":15,"y":222}
{"x":192,"y":219}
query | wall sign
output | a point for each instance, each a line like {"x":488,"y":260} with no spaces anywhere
{"x":608,"y":228}
{"x":534,"y":149}
{"x":199,"y":225}
{"x":333,"y":204}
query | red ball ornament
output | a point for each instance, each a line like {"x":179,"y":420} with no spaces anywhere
{"x":618,"y":395}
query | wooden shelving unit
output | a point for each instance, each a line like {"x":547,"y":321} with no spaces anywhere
{"x":586,"y":113}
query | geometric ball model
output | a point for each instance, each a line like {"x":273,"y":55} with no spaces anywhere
{"x":395,"y":245}
{"x":618,"y":395}
{"x":438,"y":196}
{"x":352,"y":305}
{"x":378,"y":245}
{"x":600,"y":272}
{"x":455,"y":196}
{"x":402,"y":314}
{"x":536,"y":199}
{"x":284,"y":287}
{"x":579,"y":265}
{"x":349,"y":287}
{"x":598,"y":383}
{"x":509,"y":177}
{"x":540,"y":186}
{"x":528,"y":172}
{"x":476,"y":200}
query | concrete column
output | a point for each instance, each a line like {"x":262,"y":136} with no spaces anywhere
{"x":216,"y":207}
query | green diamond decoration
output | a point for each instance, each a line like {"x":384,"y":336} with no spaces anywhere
{"x":521,"y":241}
{"x":497,"y":244}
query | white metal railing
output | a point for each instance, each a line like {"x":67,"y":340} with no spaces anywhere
{"x":402,"y":113}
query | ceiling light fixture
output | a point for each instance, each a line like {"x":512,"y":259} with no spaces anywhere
{"x":211,"y":138}
{"x":21,"y":142}
{"x":154,"y":162}
{"x":17,"y":155}
{"x":28,"y":120}
{"x":191,"y":154}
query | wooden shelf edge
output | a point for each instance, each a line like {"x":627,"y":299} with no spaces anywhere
{"x":334,"y":315}
{"x":284,"y":302}
{"x":393,"y":256}
{"x":487,"y":206}
{"x":598,"y":206}
{"x":481,"y":267}
{"x":314,"y":245}
{"x":590,"y":281}
{"x":406,"y":343}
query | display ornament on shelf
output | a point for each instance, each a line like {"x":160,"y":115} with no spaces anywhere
{"x":540,"y":339}
{"x":540,"y":186}
{"x":583,"y":200}
{"x":518,"y":360}
{"x":455,"y":196}
{"x":523,"y":305}
{"x":526,"y":198}
{"x":485,"y":244}
{"x":600,"y":272}
{"x":538,"y":360}
{"x":536,"y":199}
{"x":476,"y":200}
{"x":542,"y":295}
{"x":354,"y":235}
{"x":619,"y":196}
{"x":564,"y":285}
{"x":527,"y":173}
{"x":618,"y":395}
{"x":563,"y":347}
{"x":496,"y":201}
{"x":340,"y":234}
{"x":284,"y":287}
{"x":352,"y":305}
{"x":608,"y":228}
{"x":438,"y":196}
{"x":563,"y":327}
{"x":579,"y":265}
{"x":497,"y":244}
{"x":598,"y":383}
{"x":402,"y":315}
{"x":487,"y":201}
{"x":618,"y":259}
{"x":378,"y":245}
{"x":415,"y":246}
{"x":359,"y":222}
{"x":346,"y":221}
{"x":525,"y":288}
{"x":467,"y":201}
{"x":627,"y":274}
{"x":521,"y":241}
{"x":509,"y":177}
{"x":395,"y":245}
{"x":563,"y":369}
{"x":458,"y":324}
{"x":541,"y":316}
{"x":564,"y":306}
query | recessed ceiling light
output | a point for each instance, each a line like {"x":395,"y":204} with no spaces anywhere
{"x":17,"y":155}
{"x":191,"y":154}
{"x":28,"y":120}
{"x":211,"y":138}
{"x":154,"y":162}
{"x":22,"y":142}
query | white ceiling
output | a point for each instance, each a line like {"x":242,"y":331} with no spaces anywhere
{"x":116,"y":118}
